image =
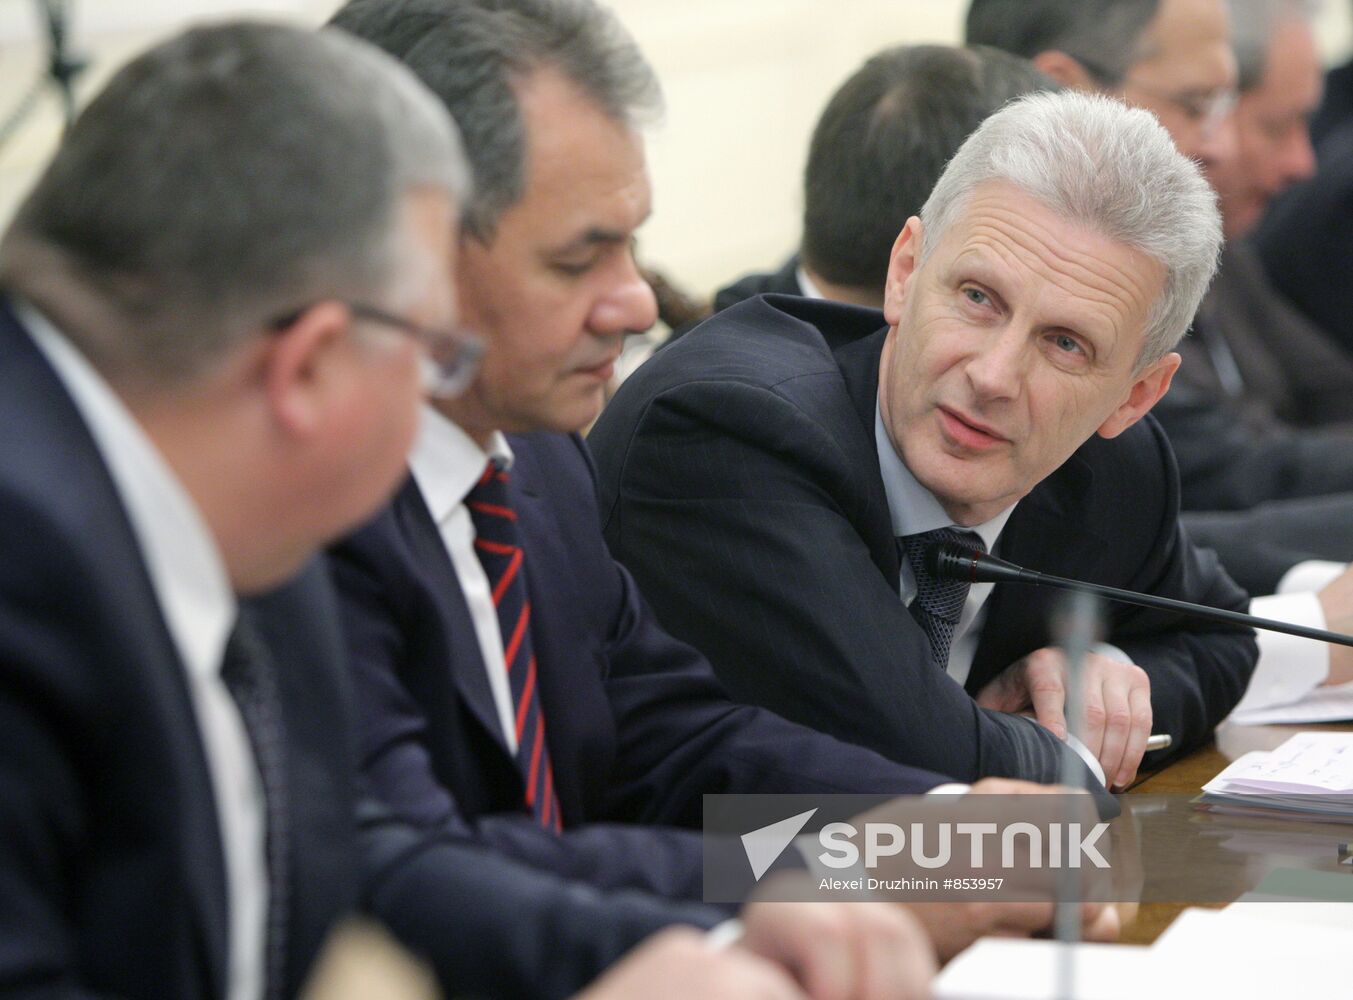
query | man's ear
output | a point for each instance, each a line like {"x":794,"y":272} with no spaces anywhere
{"x":901,"y":266}
{"x":302,"y":369}
{"x":1066,"y":70}
{"x":1149,"y":387}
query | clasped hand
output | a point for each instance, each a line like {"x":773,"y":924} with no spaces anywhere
{"x":1115,"y":705}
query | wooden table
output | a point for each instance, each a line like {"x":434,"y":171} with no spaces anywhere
{"x":1185,"y":777}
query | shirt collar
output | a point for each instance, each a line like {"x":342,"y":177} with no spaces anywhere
{"x":913,"y":508}
{"x":446,"y":462}
{"x":806,"y":284}
{"x":185,"y":566}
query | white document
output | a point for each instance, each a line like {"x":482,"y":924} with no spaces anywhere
{"x":1321,"y":704}
{"x":1311,"y":772}
{"x":1257,"y":951}
{"x":1008,"y":969}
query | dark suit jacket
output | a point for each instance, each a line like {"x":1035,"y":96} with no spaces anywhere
{"x":1306,"y":238}
{"x":1293,"y":373}
{"x":112,"y":878}
{"x":785,"y":281}
{"x":111,"y":868}
{"x":740,"y":484}
{"x":637,"y":726}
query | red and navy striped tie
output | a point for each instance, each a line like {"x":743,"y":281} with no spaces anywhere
{"x":498,"y":545}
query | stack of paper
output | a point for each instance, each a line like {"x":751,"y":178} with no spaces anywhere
{"x":1320,"y":704}
{"x":1312,"y":774}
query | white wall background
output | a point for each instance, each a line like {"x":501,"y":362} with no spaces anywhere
{"x":744,"y":79}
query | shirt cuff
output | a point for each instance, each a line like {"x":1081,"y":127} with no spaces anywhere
{"x":950,"y":788}
{"x":1090,"y":760}
{"x":724,"y":935}
{"x":1312,"y":575}
{"x":1289,"y":666}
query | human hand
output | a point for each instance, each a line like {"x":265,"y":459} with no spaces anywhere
{"x":951,"y":927}
{"x":678,"y":965}
{"x":1336,"y":600}
{"x":843,"y":951}
{"x":1115,"y":705}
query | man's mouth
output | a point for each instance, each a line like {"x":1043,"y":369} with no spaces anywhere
{"x":968,"y":432}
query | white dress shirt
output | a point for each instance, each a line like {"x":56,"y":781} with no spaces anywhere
{"x":446,"y":464}
{"x":1289,"y":666}
{"x":195,"y":597}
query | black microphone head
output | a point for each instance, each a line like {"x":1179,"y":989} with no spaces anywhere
{"x":951,"y":561}
{"x":958,"y":562}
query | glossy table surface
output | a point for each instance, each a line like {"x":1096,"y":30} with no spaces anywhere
{"x":1185,"y":777}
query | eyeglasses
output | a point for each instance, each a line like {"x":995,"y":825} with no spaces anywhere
{"x":1208,"y":108}
{"x":451,"y":355}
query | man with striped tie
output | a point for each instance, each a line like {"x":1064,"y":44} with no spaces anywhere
{"x":516,"y":689}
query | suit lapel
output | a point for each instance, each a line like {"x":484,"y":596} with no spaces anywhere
{"x":1047,"y":532}
{"x":65,"y":452}
{"x":859,"y":363}
{"x":467,"y":670}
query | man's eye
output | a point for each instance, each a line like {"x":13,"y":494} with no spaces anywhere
{"x":573,"y":268}
{"x":976,"y":296}
{"x":1068,"y":344}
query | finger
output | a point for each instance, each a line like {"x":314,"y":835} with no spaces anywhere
{"x":1004,"y":692}
{"x":1093,"y":717}
{"x":1116,"y":688}
{"x":812,"y":941}
{"x":1140,"y":703}
{"x":1100,"y":922}
{"x":894,"y":957}
{"x":1022,"y":919}
{"x":1045,"y":678}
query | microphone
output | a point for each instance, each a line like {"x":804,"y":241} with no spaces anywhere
{"x":956,"y":562}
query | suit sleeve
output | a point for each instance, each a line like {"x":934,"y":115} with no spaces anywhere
{"x":1225,"y":464}
{"x":734,"y":510}
{"x":1198,"y":669}
{"x":398,"y":767}
{"x":43,"y":708}
{"x":492,"y":926}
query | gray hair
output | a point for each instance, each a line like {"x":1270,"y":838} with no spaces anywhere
{"x":224,"y":178}
{"x":474,"y":53}
{"x":1252,"y":25}
{"x":1097,"y":163}
{"x":1104,"y":36}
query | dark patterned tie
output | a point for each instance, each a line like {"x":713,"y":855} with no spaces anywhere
{"x":939,"y":602}
{"x":247,"y":671}
{"x":498,"y":545}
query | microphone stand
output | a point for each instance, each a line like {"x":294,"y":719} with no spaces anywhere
{"x":956,"y":562}
{"x":1076,"y":627}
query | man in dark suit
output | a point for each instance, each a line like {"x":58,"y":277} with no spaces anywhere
{"x":516,"y":687}
{"x":195,"y":397}
{"x":757,"y":477}
{"x":1247,"y":465}
{"x":1258,"y":416}
{"x":189,"y":410}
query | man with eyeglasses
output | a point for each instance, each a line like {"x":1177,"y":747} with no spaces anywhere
{"x":176,"y":782}
{"x":1268,"y":494}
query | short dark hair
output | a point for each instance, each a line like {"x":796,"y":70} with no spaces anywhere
{"x":472,"y":53}
{"x":1104,"y":36}
{"x":882,"y":142}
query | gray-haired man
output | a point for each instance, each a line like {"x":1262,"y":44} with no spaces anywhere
{"x":215,"y":306}
{"x":772,"y":479}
